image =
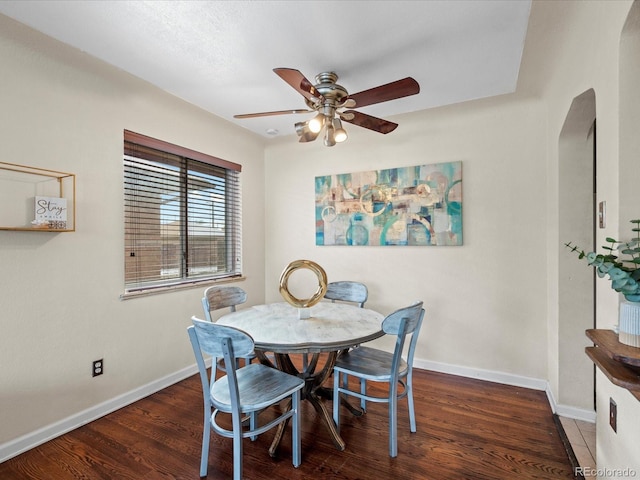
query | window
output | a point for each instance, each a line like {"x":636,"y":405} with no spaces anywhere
{"x":182,"y":215}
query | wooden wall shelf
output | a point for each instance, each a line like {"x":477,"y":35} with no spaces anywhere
{"x":20,"y":185}
{"x":619,"y":362}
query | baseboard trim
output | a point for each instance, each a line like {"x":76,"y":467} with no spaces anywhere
{"x":38,"y":437}
{"x":513,"y":380}
{"x":568,"y":411}
{"x":576,"y":413}
{"x":481,"y":374}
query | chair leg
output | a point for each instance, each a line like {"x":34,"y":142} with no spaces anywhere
{"x":297,"y":444}
{"x":237,"y":454}
{"x":236,"y":422}
{"x":253,"y":424}
{"x":412,"y":413}
{"x":393,"y":422}
{"x":336,"y":400}
{"x":206,"y":435}
{"x":363,"y":391}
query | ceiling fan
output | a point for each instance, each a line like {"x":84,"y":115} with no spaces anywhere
{"x":334,"y":105}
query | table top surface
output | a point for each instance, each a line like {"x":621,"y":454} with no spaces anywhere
{"x":276,"y":327}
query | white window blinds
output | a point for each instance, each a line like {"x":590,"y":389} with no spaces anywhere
{"x":182,"y":215}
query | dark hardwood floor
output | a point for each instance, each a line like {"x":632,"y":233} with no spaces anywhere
{"x":467,"y":429}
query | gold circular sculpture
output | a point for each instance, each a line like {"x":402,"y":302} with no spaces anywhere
{"x":322,"y":283}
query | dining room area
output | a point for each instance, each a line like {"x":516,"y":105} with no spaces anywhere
{"x":404,"y":424}
{"x":394,"y":302}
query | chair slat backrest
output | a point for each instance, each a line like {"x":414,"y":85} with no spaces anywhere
{"x":414,"y":339}
{"x":220,"y":296}
{"x":347,"y":291}
{"x":391,"y":324}
{"x":404,"y":321}
{"x":210,"y":336}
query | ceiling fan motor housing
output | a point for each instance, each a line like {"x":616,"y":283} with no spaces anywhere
{"x":333,"y":93}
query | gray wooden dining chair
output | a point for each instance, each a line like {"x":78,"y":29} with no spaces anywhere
{"x":371,"y":364}
{"x":242,"y":391}
{"x":222,"y":296}
{"x":347,"y":291}
{"x":218,"y":297}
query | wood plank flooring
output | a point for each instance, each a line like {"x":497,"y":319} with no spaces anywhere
{"x":467,"y":429}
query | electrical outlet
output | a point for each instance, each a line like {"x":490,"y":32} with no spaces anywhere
{"x":613,"y":415}
{"x":98,"y":368}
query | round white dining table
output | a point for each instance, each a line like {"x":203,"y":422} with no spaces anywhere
{"x":329,"y":329}
{"x":276,"y":327}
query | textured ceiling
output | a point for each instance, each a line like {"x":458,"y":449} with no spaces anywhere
{"x":219,"y":55}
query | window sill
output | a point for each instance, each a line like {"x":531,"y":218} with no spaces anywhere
{"x":145,"y":292}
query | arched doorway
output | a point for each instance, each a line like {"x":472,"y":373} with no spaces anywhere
{"x":577,"y":214}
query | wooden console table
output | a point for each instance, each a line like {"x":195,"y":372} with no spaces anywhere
{"x":619,"y":362}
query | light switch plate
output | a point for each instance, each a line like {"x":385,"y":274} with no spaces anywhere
{"x":602,"y":214}
{"x":613,"y":415}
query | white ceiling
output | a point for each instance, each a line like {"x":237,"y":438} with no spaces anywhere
{"x":219,"y":55}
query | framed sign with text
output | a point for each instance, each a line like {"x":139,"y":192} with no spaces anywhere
{"x":52,"y":210}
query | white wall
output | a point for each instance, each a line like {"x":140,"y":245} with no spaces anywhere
{"x":60,"y":306}
{"x":586,"y":59}
{"x":485,"y":301}
{"x":617,"y":450}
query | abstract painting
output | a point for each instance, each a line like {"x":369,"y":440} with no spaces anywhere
{"x":420,"y":205}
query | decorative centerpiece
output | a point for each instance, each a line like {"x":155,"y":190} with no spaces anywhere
{"x":624,"y":273}
{"x":303,"y":305}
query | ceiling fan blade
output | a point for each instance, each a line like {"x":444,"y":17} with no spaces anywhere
{"x":266,"y":114}
{"x":299,"y":82}
{"x":368,"y":121}
{"x":383,"y":93}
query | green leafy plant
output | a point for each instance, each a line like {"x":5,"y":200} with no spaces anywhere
{"x":623,"y":270}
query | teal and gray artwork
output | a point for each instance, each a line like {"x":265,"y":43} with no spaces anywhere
{"x":420,"y":205}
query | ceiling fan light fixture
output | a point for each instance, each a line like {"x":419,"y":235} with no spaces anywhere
{"x":302,"y":128}
{"x":329,"y":136}
{"x":340,"y":134}
{"x":316,"y":123}
{"x":306,"y":135}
